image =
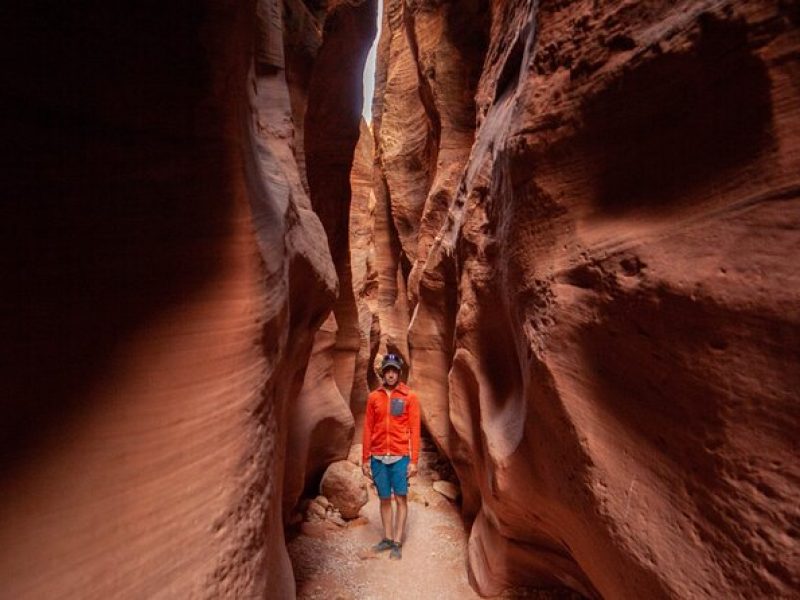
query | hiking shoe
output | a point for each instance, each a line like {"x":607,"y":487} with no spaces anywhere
{"x":396,"y":553}
{"x":383,"y":545}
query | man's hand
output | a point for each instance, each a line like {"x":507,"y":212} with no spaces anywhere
{"x":412,"y":470}
{"x":365,"y":469}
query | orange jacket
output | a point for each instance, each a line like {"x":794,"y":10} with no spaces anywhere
{"x":388,"y":431}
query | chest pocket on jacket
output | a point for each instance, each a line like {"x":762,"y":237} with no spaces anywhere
{"x":397,"y":405}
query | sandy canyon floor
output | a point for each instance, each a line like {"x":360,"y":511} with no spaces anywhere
{"x":335,"y":563}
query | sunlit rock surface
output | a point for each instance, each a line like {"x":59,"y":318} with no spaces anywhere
{"x":602,"y":299}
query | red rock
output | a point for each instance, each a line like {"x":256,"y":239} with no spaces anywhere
{"x":320,"y":422}
{"x":166,"y":277}
{"x":343,"y":484}
{"x":580,"y":232}
{"x":315,"y":509}
{"x":594,"y":313}
{"x":362,"y":264}
{"x":337,"y":520}
{"x":332,"y":130}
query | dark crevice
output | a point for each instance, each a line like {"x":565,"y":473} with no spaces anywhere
{"x":113,"y":215}
{"x":509,"y":75}
{"x":332,"y":123}
{"x":425,"y":95}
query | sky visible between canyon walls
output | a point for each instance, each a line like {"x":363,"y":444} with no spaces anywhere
{"x":369,"y":69}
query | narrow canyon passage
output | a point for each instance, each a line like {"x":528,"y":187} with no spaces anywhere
{"x":576,"y":221}
{"x":335,"y":562}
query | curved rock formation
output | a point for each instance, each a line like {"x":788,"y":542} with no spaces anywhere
{"x":333,"y":124}
{"x":364,"y":273}
{"x":166,"y":278}
{"x":581,"y":230}
{"x":603,"y":315}
{"x":330,"y":46}
{"x":321,"y":426}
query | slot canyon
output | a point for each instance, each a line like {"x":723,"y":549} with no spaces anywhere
{"x":577,"y":221}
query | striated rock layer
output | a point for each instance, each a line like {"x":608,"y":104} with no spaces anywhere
{"x":592,"y":210}
{"x":165,"y":277}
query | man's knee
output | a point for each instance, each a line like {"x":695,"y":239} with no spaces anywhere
{"x":385,"y":501}
{"x":401,"y":499}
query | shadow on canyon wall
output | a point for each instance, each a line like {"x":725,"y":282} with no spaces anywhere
{"x":115,"y":165}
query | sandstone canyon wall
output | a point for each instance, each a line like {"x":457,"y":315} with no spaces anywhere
{"x":586,"y":229}
{"x":164,"y":279}
{"x":328,"y":43}
{"x":363,"y":267}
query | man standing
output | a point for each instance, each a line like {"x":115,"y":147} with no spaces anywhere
{"x":391,"y":449}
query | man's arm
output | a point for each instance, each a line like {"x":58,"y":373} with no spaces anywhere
{"x":366,"y":438}
{"x":414,"y":424}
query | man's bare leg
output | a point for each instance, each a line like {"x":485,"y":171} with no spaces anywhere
{"x":402,"y":511}
{"x":386,"y":517}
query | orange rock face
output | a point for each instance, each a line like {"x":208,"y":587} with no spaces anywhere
{"x":166,"y":280}
{"x":362,"y":261}
{"x":594,"y":207}
{"x":330,"y":44}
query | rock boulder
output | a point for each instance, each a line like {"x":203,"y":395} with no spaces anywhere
{"x":343,"y":484}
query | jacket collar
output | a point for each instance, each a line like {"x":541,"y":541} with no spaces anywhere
{"x":401,"y":388}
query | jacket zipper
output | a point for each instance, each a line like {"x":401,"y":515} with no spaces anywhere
{"x":388,"y":407}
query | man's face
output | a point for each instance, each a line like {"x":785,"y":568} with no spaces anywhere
{"x":390,"y":376}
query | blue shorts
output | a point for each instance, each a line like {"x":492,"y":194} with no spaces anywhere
{"x":390,"y":478}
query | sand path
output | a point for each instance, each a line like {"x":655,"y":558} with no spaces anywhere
{"x":337,"y":563}
{"x":334,"y":563}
